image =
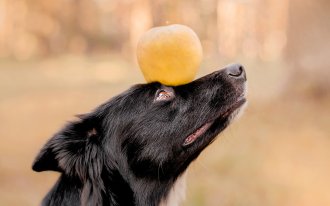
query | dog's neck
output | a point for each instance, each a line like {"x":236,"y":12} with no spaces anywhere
{"x":145,"y":192}
{"x":157,"y":193}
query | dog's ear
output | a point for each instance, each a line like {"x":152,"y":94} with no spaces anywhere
{"x":46,"y":159}
{"x":71,"y":149}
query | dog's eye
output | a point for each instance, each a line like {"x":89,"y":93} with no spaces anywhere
{"x":164,"y":95}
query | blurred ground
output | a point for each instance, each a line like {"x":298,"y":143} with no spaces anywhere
{"x":276,"y":154}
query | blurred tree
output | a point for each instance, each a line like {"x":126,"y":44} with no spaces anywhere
{"x":309,"y":46}
{"x":252,"y":28}
{"x":140,"y":21}
{"x":249,"y":28}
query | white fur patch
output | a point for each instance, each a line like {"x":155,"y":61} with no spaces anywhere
{"x":238,"y":112}
{"x":177,"y":193}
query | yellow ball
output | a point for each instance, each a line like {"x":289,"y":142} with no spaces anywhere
{"x":170,"y":54}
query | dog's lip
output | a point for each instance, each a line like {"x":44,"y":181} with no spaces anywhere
{"x":235,"y":106}
{"x":201,"y":130}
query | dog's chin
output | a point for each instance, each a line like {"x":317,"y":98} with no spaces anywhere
{"x":237,"y":113}
{"x":206,"y":134}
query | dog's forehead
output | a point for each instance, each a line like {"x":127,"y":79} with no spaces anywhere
{"x":148,"y":89}
{"x":167,"y":88}
{"x":153,"y":86}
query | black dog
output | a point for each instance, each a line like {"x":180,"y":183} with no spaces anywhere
{"x":132,"y":149}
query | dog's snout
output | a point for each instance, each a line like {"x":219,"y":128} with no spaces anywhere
{"x":236,"y":71}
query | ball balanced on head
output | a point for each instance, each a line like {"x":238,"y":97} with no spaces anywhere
{"x":170,"y":54}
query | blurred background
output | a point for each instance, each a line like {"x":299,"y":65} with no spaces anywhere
{"x":59,"y":58}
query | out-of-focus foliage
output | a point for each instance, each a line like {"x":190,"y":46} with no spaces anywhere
{"x":34,"y":28}
{"x":266,"y":30}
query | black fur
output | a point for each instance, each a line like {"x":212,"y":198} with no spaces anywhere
{"x":130,"y":150}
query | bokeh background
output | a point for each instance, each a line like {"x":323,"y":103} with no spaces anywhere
{"x":59,"y":58}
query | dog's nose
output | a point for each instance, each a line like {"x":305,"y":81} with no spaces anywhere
{"x":236,"y":71}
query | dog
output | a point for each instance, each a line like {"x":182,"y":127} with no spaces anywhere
{"x":134,"y":149}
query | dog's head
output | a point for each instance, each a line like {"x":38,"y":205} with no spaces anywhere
{"x":152,"y":131}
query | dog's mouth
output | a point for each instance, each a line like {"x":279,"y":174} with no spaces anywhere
{"x":222,"y":117}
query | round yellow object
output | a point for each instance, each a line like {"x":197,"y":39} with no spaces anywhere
{"x":170,"y":54}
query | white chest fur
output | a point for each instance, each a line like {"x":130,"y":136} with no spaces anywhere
{"x":177,"y":193}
